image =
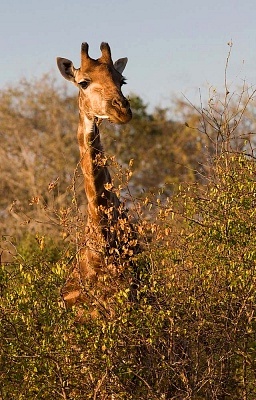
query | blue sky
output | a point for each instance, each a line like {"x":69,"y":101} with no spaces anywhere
{"x":173,"y":46}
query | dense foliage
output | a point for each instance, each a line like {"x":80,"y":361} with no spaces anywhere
{"x":190,"y":334}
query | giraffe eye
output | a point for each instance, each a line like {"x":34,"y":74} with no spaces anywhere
{"x":123,"y":81}
{"x":84,"y":84}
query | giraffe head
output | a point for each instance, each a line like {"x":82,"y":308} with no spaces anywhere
{"x":99,"y":82}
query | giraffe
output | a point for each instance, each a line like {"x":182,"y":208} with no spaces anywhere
{"x":108,"y":231}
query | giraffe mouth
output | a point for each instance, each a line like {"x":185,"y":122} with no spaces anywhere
{"x":102,"y":116}
{"x":120,"y":118}
{"x":106,"y":118}
{"x":117,"y":116}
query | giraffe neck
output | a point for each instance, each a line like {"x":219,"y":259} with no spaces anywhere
{"x":107,"y":223}
{"x":96,"y":173}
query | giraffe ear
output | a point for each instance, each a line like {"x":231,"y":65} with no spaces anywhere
{"x":66,"y":68}
{"x":121,"y":64}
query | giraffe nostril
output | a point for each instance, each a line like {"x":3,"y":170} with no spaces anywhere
{"x":120,"y":103}
{"x":116,"y":102}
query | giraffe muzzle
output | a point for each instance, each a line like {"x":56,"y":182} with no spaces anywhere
{"x":120,"y":110}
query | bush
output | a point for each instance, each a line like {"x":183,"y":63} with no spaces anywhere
{"x":191,"y":333}
{"x":211,"y":272}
